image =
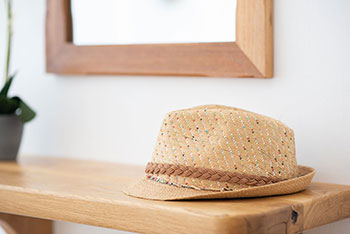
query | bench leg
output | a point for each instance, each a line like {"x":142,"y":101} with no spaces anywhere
{"x":16,"y":224}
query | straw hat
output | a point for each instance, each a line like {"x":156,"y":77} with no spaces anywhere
{"x":215,"y":151}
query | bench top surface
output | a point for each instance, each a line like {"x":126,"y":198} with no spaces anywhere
{"x":90,"y":192}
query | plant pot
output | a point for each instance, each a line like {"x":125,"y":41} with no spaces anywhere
{"x":11,"y":128}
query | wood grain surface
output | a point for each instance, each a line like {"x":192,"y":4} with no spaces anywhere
{"x":90,"y":192}
{"x":17,"y":224}
{"x":254,"y":35}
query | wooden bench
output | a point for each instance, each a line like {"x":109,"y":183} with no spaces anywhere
{"x":36,"y":190}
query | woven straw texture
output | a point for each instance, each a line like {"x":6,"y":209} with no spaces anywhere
{"x":224,"y":139}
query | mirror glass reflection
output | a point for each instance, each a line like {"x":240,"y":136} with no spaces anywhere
{"x":108,"y":22}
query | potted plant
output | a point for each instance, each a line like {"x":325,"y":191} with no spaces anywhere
{"x":13,"y":111}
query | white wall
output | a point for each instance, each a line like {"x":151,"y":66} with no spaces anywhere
{"x":117,"y":118}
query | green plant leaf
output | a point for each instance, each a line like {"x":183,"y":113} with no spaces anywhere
{"x":8,"y":106}
{"x":26,"y":113}
{"x":4,"y":91}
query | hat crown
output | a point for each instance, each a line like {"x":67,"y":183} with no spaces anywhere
{"x":224,"y":139}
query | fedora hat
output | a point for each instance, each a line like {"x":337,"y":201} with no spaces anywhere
{"x":213,"y":151}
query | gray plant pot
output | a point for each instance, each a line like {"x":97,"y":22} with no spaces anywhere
{"x":11,"y":128}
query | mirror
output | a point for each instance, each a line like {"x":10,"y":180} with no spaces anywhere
{"x":111,"y":22}
{"x":160,"y":37}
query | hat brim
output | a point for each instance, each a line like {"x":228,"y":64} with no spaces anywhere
{"x":149,"y":189}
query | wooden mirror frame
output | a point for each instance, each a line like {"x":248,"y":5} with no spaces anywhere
{"x":251,"y":55}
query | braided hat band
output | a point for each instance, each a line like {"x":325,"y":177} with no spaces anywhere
{"x":209,"y":174}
